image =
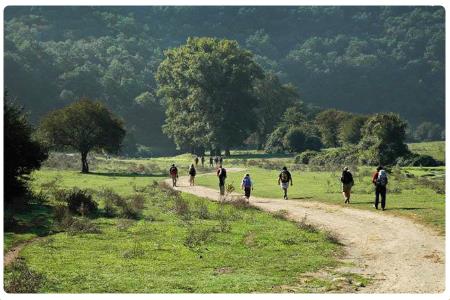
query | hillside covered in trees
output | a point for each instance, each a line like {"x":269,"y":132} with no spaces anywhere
{"x":357,"y":59}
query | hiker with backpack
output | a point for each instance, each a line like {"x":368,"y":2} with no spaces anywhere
{"x":380,"y":180}
{"x":173,"y":172}
{"x":216,"y":161}
{"x":283,"y":180}
{"x":211,"y":161}
{"x":247,"y":186}
{"x":347,"y":183}
{"x":203,"y":161}
{"x":222,"y":174}
{"x":192,"y":173}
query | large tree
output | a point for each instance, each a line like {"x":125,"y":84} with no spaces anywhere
{"x":329,"y":121}
{"x":22,"y":153}
{"x":83,"y":126}
{"x":207,"y":87}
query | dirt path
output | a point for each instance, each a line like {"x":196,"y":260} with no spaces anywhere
{"x":13,"y":253}
{"x":400,"y":255}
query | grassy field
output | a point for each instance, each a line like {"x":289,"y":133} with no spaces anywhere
{"x":197,"y":247}
{"x":434,"y":149}
{"x":410,"y":192}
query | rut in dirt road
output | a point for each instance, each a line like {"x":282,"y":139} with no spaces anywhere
{"x":400,"y":255}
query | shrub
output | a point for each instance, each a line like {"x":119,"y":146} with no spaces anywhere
{"x":80,"y":201}
{"x":202,"y":210}
{"x":197,"y":237}
{"x":181,"y":208}
{"x":22,"y":279}
{"x":336,"y":157}
{"x":416,"y":160}
{"x":109,"y":208}
{"x":82,"y":225}
{"x":305,"y":156}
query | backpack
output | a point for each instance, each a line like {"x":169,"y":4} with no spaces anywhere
{"x":346,"y":177}
{"x":222,"y":173}
{"x":247,"y":182}
{"x":192,"y":172}
{"x":382,"y":178}
{"x":173,"y":171}
{"x":284,"y":176}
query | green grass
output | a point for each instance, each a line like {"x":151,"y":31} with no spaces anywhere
{"x":254,"y":252}
{"x":434,"y":149}
{"x":405,"y":196}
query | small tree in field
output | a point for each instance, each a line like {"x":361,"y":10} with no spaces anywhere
{"x":83,"y":126}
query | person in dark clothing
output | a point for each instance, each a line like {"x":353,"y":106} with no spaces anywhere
{"x":211,"y":161}
{"x":203,"y":161}
{"x":196,"y":160}
{"x":347,"y":183}
{"x":220,"y":160}
{"x":247,"y":186}
{"x":173,"y":172}
{"x":283,"y":180}
{"x":192,"y":173}
{"x":222,"y":174}
{"x":380,"y":180}
{"x":216,"y":160}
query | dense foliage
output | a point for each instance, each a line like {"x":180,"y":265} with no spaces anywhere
{"x":83,"y":126}
{"x":22,"y":154}
{"x":357,"y":59}
{"x":207,"y":87}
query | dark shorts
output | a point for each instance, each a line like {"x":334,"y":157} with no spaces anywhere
{"x":247,"y":191}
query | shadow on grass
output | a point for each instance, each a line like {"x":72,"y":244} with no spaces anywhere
{"x":34,"y":218}
{"x":406,"y":208}
{"x":118,"y":174}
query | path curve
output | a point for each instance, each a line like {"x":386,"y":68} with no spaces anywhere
{"x":401,"y":256}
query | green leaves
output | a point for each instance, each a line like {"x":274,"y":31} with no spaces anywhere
{"x":207,"y":87}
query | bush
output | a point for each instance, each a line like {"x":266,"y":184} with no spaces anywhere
{"x":181,"y":208}
{"x":197,"y":237}
{"x":336,"y":157}
{"x":22,"y":279}
{"x":417,"y":160}
{"x":81,"y":225}
{"x":305,"y":156}
{"x":202,"y":210}
{"x":80,"y":201}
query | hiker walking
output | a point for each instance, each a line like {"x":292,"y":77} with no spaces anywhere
{"x":220,"y":160}
{"x":173,"y":172}
{"x":283,"y":180}
{"x":216,"y":161}
{"x":380,"y":180}
{"x":211,"y":161}
{"x":222,"y":174}
{"x":203,"y":161}
{"x":247,"y":186}
{"x":196,"y":160}
{"x":347,"y":183}
{"x":192,"y":173}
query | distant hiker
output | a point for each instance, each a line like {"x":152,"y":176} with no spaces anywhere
{"x":220,"y":160}
{"x":247,"y":186}
{"x":173,"y":171}
{"x":196,"y":160}
{"x":211,"y":161}
{"x":192,"y":173}
{"x":222,"y":174}
{"x":203,"y":161}
{"x":347,"y":183}
{"x":216,"y":161}
{"x":283,"y":180}
{"x":380,"y":180}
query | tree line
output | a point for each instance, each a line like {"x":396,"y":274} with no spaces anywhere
{"x":357,"y":59}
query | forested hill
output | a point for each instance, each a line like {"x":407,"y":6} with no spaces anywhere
{"x":359,"y":59}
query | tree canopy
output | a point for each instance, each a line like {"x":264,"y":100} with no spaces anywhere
{"x":83,"y":126}
{"x":22,"y":153}
{"x":207,"y":88}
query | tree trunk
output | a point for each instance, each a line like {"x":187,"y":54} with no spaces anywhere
{"x":84,"y":163}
